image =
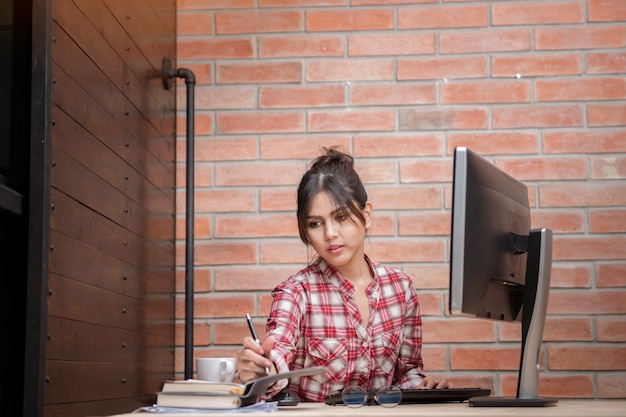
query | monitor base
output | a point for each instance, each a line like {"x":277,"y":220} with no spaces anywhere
{"x":511,"y":402}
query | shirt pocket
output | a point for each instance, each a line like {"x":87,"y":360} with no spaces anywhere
{"x":330,"y":353}
{"x":387,"y":350}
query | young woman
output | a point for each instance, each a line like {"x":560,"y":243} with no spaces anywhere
{"x":359,"y":319}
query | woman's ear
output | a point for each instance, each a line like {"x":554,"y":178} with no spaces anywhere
{"x":368,"y":213}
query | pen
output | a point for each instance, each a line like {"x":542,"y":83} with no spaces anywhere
{"x":254,"y":335}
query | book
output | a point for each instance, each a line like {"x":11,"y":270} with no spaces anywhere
{"x":192,"y":393}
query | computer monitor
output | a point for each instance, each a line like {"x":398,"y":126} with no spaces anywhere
{"x":499,"y":266}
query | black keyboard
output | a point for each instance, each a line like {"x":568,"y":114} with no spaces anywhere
{"x":421,"y":396}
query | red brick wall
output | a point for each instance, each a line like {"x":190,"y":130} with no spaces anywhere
{"x":538,"y":87}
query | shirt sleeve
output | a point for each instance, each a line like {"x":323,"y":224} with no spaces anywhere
{"x":284,"y":325}
{"x":409,"y":371}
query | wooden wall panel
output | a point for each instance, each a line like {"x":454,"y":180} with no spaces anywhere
{"x":111,"y":263}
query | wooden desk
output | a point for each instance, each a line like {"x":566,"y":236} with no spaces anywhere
{"x":565,"y":408}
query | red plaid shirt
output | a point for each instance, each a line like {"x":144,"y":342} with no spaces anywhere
{"x":316,"y":321}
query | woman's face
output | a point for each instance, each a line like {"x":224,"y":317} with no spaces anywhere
{"x":335,"y":233}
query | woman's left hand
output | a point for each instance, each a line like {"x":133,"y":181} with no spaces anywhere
{"x":430,"y":382}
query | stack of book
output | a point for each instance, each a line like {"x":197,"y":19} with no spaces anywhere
{"x":193,"y":393}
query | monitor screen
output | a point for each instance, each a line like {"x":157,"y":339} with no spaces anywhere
{"x":499,"y":266}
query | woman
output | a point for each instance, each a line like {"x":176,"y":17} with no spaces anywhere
{"x":359,"y":319}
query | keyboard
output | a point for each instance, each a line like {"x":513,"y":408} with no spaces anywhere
{"x":421,"y":396}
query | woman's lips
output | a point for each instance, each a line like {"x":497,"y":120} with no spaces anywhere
{"x":335,"y":249}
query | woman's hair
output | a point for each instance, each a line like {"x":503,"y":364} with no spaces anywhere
{"x":334,"y":173}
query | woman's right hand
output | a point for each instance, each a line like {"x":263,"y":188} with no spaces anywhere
{"x":252,"y":359}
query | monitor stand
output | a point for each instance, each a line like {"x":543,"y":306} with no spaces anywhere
{"x":536,"y":289}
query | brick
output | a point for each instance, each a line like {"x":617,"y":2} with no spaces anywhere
{"x":216,"y":98}
{"x":613,"y":114}
{"x":484,"y":41}
{"x":351,"y":120}
{"x":222,"y":253}
{"x":441,"y":68}
{"x":383,"y":224}
{"x":611,"y":329}
{"x":349,"y":20}
{"x":608,"y":167}
{"x":533,"y":169}
{"x":611,"y":385}
{"x":497,"y":143}
{"x":586,"y":301}
{"x":443,"y":118}
{"x":300,"y":46}
{"x":406,"y":197}
{"x":566,"y":329}
{"x":376,"y":171}
{"x":399,"y":250}
{"x":581,"y":89}
{"x":583,"y":358}
{"x":260,"y":122}
{"x":589,"y":37}
{"x":556,"y":115}
{"x":301,"y":96}
{"x":350,"y":70}
{"x":224,"y":149}
{"x":201,"y":279}
{"x":203,"y":176}
{"x":585,"y":141}
{"x":222,"y":305}
{"x":570,"y":276}
{"x":532,"y":13}
{"x":605,"y":62}
{"x":240,"y":22}
{"x":261,"y":225}
{"x":300,"y":147}
{"x":443,"y":16}
{"x":424,"y":171}
{"x":426,"y":276}
{"x":424,"y":224}
{"x":259,"y":72}
{"x":430,"y":303}
{"x":484,"y":357}
{"x":395,"y":44}
{"x":214,"y":48}
{"x":583,"y":194}
{"x":203,"y":125}
{"x":536,"y":65}
{"x":220,"y":200}
{"x":435,"y":358}
{"x":233,"y":332}
{"x":193,"y":24}
{"x":380,"y":146}
{"x":590,"y":248}
{"x":566,"y":386}
{"x":392,"y":94}
{"x":201,"y":227}
{"x":611,"y":275}
{"x":386,"y":2}
{"x":606,"y":10}
{"x":248,"y":174}
{"x":278,"y":199}
{"x":493,"y":91}
{"x":559,"y":221}
{"x":213,"y":4}
{"x":300,"y":3}
{"x":285,"y":251}
{"x":451,"y":330}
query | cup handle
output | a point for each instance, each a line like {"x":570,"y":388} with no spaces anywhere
{"x":227,"y":368}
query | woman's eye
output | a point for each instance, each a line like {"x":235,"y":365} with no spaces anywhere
{"x":313,"y":225}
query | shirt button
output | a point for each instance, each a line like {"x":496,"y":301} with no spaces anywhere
{"x":365,"y":344}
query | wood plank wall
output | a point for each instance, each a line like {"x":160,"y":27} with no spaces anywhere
{"x":111,"y":262}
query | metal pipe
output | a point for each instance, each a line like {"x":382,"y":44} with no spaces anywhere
{"x":190,"y":81}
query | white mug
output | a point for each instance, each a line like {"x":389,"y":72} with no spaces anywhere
{"x":216,"y":369}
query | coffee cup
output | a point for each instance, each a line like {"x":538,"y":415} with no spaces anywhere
{"x":216,"y":369}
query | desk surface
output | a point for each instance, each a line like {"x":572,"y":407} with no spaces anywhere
{"x":565,"y":408}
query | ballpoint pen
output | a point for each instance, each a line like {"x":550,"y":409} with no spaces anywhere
{"x":254,"y":336}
